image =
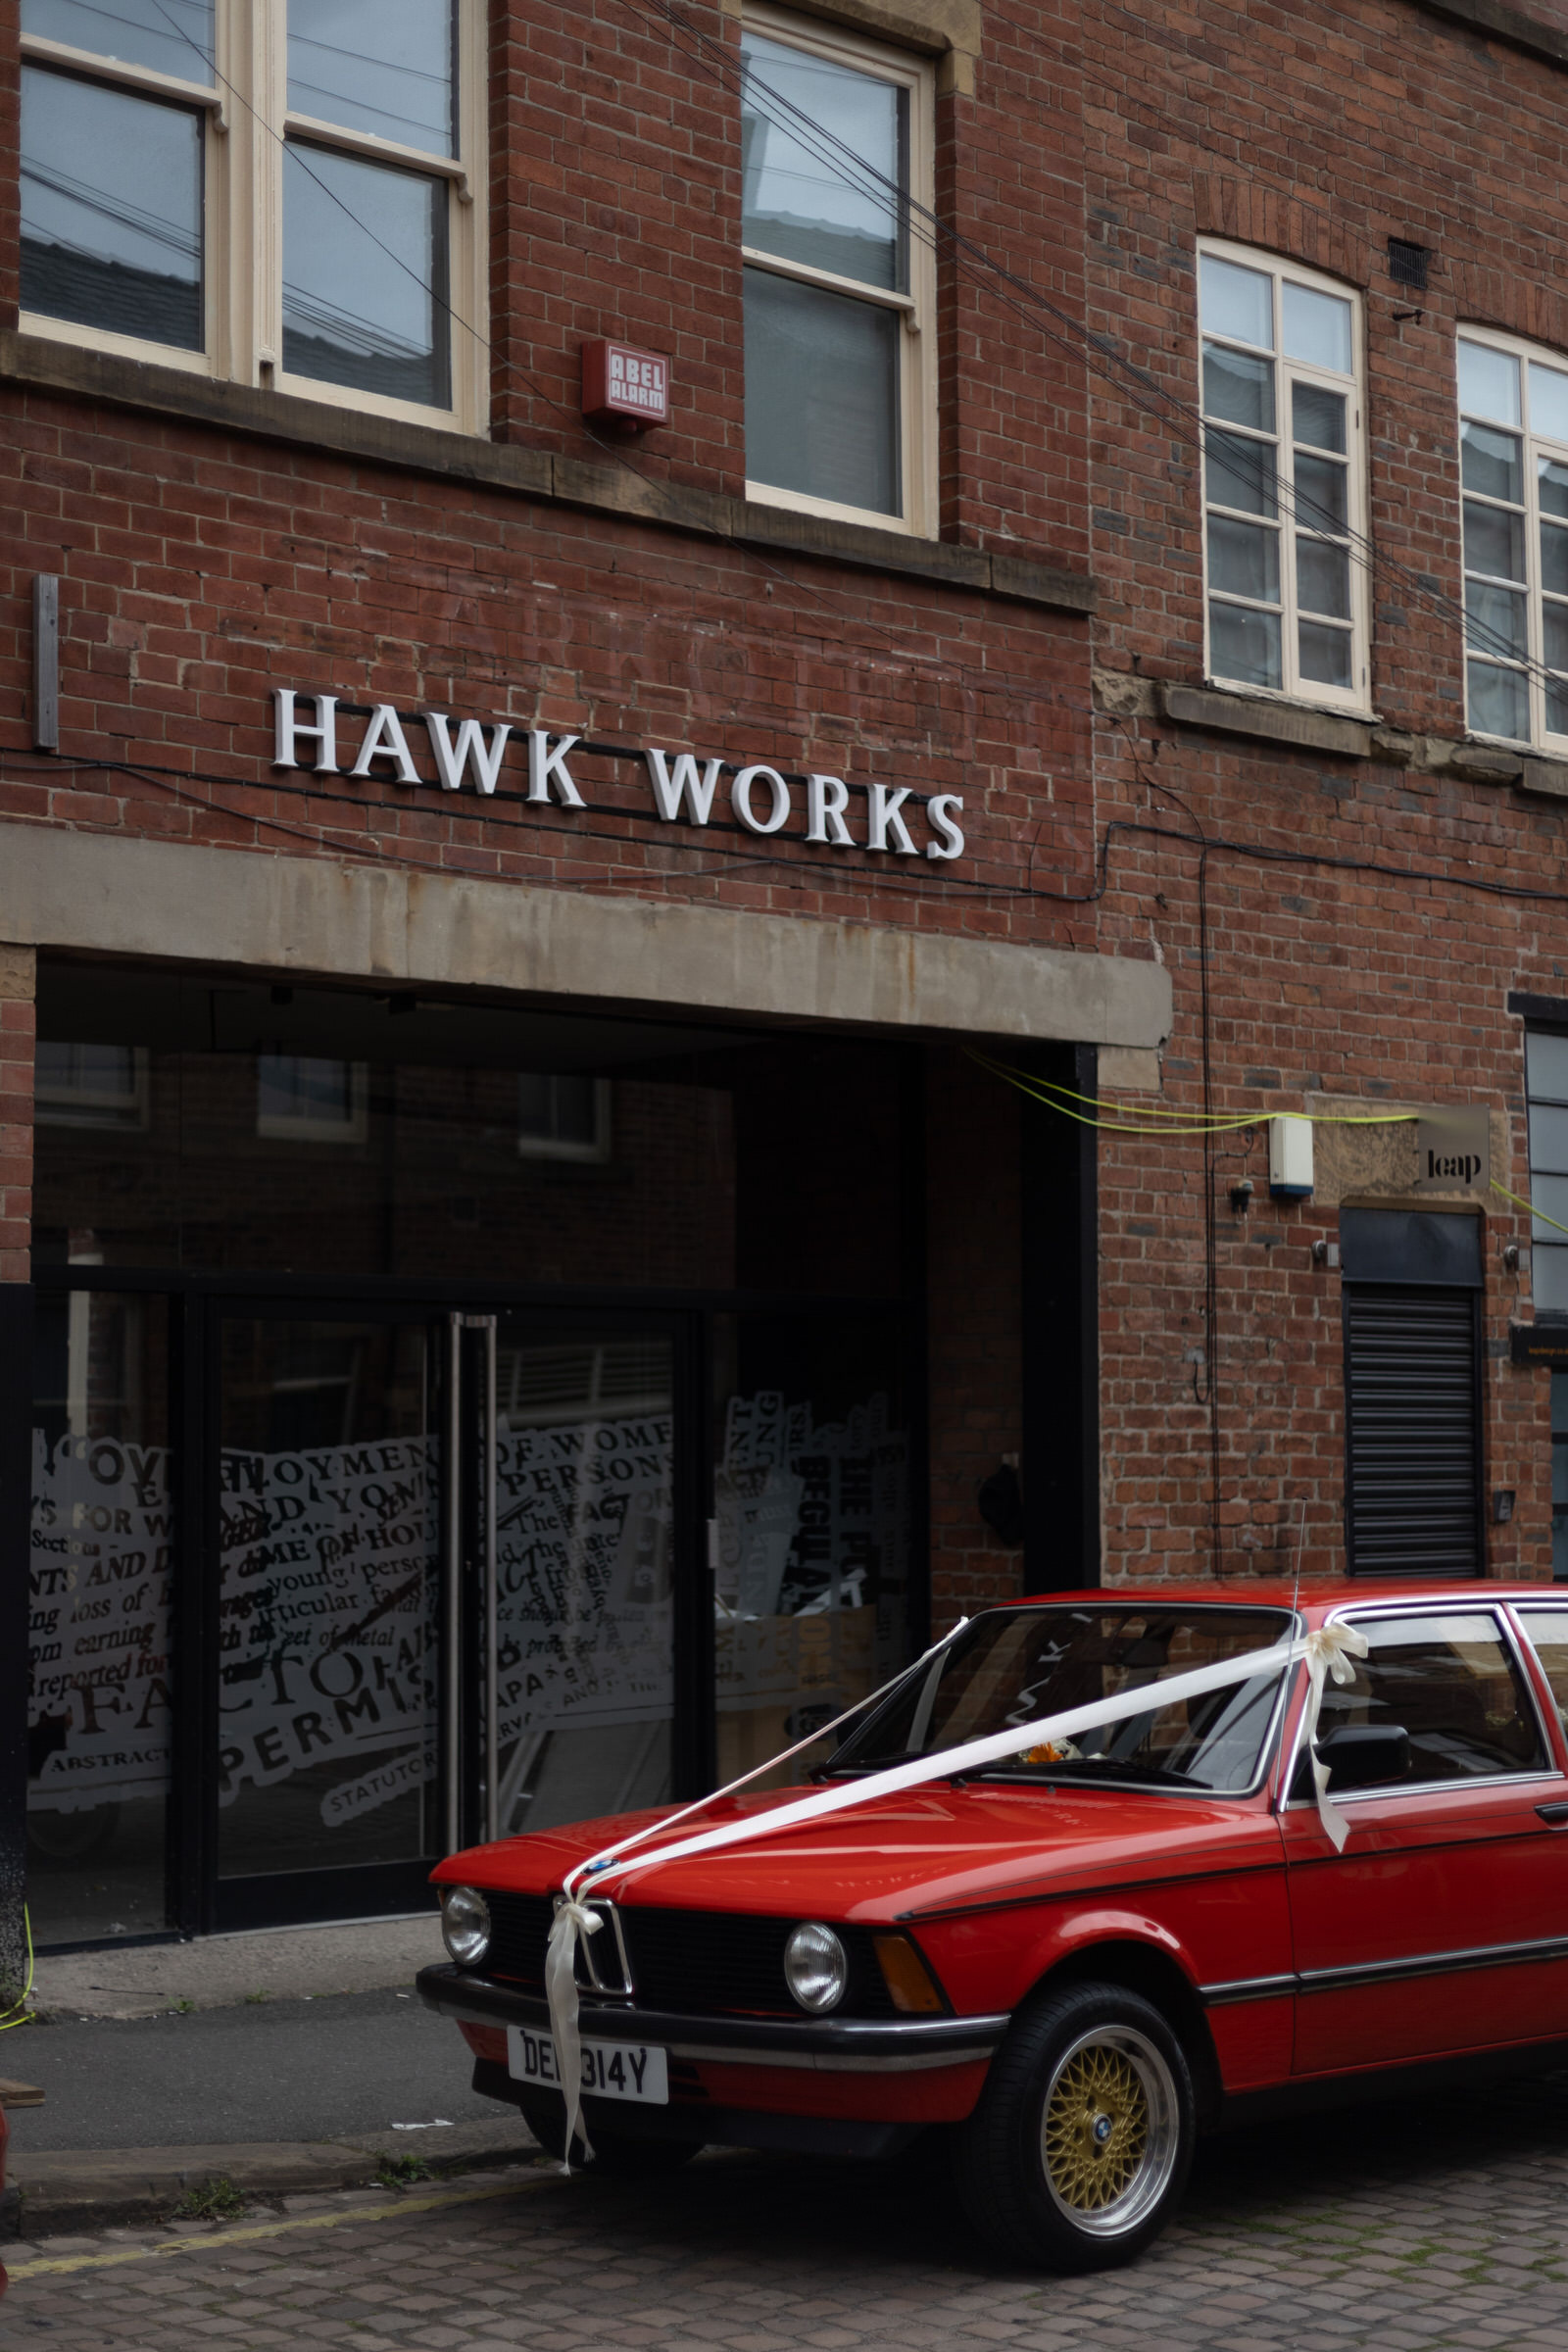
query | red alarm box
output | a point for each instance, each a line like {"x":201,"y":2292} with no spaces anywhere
{"x":623,"y":385}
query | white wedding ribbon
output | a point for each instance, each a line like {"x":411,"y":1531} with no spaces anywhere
{"x":1327,"y":1651}
{"x":571,"y":1921}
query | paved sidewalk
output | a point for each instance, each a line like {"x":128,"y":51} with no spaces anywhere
{"x":216,"y":1972}
{"x":1440,"y":2227}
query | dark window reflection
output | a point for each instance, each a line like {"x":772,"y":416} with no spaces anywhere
{"x":234,"y":1128}
{"x":364,"y":304}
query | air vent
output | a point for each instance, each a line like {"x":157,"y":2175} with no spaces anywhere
{"x":1407,"y":264}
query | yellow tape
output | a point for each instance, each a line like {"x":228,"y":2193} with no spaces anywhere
{"x":10,"y":2021}
{"x":1538,"y":1214}
{"x":1043,"y":1089}
{"x":60,"y":2263}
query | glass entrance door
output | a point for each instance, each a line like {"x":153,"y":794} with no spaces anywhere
{"x":585,"y":1570}
{"x":328,"y":1568}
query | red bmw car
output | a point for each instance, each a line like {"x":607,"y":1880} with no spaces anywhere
{"x":1073,"y":1962}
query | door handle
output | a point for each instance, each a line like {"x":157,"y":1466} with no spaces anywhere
{"x":1555,"y":1816}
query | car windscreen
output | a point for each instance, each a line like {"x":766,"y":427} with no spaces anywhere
{"x":1015,"y":1666}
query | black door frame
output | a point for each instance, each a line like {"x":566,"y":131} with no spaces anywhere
{"x":197,"y":1902}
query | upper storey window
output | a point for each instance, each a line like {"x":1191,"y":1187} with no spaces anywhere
{"x":840,"y":280}
{"x":1513,"y":441}
{"x":1283,"y":478}
{"x":288,"y":192}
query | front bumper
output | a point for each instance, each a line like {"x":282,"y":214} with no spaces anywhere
{"x":843,"y":2087}
{"x":877,"y":2046}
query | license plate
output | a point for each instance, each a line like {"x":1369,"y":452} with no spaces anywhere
{"x":610,"y":2070}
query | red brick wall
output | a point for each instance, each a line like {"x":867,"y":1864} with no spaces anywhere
{"x":1319,"y":142}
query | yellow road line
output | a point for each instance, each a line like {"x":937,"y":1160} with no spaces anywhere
{"x":20,"y":2272}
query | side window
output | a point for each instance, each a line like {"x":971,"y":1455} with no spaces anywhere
{"x":1548,"y":1637}
{"x":1283,"y":478}
{"x":1451,"y":1684}
{"x":840,"y":283}
{"x":1513,"y":442}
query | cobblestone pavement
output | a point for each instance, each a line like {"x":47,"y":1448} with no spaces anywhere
{"x":1400,"y":2229}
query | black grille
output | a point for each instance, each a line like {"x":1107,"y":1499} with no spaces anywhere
{"x":699,"y":1962}
{"x":1407,"y":264}
{"x":519,"y":1930}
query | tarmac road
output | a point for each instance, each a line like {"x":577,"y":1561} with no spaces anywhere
{"x":319,"y":2070}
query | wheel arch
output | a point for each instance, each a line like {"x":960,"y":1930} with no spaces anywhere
{"x":1143,"y":1969}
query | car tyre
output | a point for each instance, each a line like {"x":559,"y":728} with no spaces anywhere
{"x":616,"y":2156}
{"x":1079,"y":2148}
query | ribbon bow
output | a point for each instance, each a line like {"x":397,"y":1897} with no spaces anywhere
{"x":573,"y":1920}
{"x":1331,"y":1650}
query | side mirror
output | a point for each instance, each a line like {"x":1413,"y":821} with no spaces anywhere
{"x":1358,"y":1755}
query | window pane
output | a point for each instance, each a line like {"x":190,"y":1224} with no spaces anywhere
{"x":111,"y":210}
{"x":1488,"y":383}
{"x":1552,"y":478}
{"x":821,"y":394}
{"x":1495,"y":619}
{"x":1448,"y":1682}
{"x":1491,"y":463}
{"x":1556,"y":636}
{"x":1548,"y":401}
{"x":298,"y":1087}
{"x":1557,"y":709}
{"x":364,"y":304}
{"x":384,"y":68}
{"x":1324,"y":654}
{"x":1549,"y":1133}
{"x":1244,"y":646}
{"x":1316,"y":327}
{"x":1318,"y":417}
{"x":1321,"y":490}
{"x":1549,"y":1199}
{"x":1243,"y":560}
{"x":172,"y":37}
{"x":1499,"y":702}
{"x":1548,"y":1279}
{"x":1238,"y":473}
{"x":559,"y":1110}
{"x":1554,"y":561}
{"x":1323,"y":578}
{"x":802,"y":205}
{"x":1493,"y":541}
{"x":1547,"y":1073}
{"x":1239,"y":388}
{"x":1235,"y":302}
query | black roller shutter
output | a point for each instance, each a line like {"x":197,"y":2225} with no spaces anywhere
{"x":1412,"y":1376}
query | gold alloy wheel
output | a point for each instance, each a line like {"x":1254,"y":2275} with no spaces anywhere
{"x":1109,"y":2130}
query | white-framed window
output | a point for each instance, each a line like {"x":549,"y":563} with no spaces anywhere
{"x":89,"y":1086}
{"x":287,"y":193}
{"x":1546,"y":1094}
{"x":562,"y":1116}
{"x":840,"y":276}
{"x":308,"y":1099}
{"x":1284,"y":478}
{"x":1513,"y":463}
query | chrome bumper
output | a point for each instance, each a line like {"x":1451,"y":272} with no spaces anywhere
{"x":825,"y":2046}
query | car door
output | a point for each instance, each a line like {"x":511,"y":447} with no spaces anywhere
{"x":1444,"y":1924}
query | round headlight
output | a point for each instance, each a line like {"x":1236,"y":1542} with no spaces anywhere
{"x":465,"y":1924}
{"x":814,"y":1967}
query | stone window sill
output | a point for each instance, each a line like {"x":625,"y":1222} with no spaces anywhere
{"x":1261,"y":717}
{"x":1022,"y":577}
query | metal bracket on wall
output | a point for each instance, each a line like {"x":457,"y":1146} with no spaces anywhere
{"x":46,"y":662}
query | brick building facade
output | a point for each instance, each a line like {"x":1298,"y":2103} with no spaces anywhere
{"x":382,"y":1094}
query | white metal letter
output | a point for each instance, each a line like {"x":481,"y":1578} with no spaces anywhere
{"x":545,"y":763}
{"x":741,"y":796}
{"x":950,"y":843}
{"x":471,"y":750}
{"x":668,"y":789}
{"x":289,"y":729}
{"x":384,"y":739}
{"x":827,"y":797}
{"x":885,"y":807}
